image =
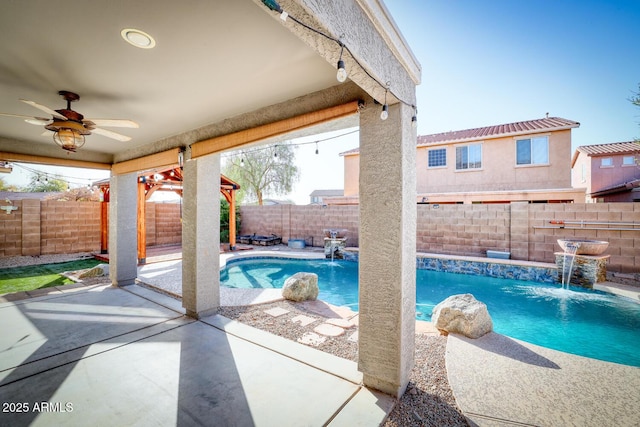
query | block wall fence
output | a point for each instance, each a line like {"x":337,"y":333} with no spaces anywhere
{"x":469,"y":230}
{"x":52,"y":227}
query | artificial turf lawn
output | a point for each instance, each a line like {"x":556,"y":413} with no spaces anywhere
{"x":30,"y":277}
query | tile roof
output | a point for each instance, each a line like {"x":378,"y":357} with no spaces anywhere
{"x":612,"y":148}
{"x":518,"y":128}
{"x":324,"y":193}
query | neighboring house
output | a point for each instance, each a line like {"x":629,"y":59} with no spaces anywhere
{"x":317,"y":196}
{"x":522,"y":161}
{"x":608,"y":172}
{"x":271,"y":202}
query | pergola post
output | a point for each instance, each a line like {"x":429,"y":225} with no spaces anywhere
{"x":142,"y":223}
{"x":387,"y":239}
{"x":104,"y":220}
{"x":232,"y":220}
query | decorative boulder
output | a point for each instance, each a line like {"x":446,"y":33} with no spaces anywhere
{"x":97,"y":271}
{"x":462,"y":314}
{"x":301,"y":287}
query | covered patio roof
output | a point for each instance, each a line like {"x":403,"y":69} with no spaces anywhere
{"x":203,"y":77}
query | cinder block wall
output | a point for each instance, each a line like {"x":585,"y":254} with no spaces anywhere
{"x":300,"y":222}
{"x":167,"y":225}
{"x":52,"y":227}
{"x":150,"y":223}
{"x":624,"y":246}
{"x":11,"y":230}
{"x":469,"y":230}
{"x":67,"y":227}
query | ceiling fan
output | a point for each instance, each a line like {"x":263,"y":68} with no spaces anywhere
{"x":70,"y":127}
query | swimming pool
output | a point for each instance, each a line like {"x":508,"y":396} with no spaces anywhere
{"x":578,"y":321}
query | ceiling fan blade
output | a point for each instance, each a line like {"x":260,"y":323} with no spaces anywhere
{"x":119,"y":123}
{"x":110,"y":134}
{"x":48,"y":110}
{"x":29,"y":119}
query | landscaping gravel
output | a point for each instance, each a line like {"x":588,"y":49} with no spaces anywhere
{"x":20,"y":261}
{"x":428,"y":401}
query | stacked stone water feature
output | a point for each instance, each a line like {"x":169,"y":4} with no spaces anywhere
{"x":334,"y":243}
{"x":589,"y":265}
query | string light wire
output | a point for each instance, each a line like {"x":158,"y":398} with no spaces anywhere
{"x":273,"y":5}
{"x":77,"y":181}
{"x":297,"y":144}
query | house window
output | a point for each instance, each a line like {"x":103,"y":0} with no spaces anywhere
{"x":438,"y":158}
{"x":469,"y":157}
{"x":606,"y":162}
{"x":532,"y":151}
{"x":628,"y":161}
{"x":583,"y":172}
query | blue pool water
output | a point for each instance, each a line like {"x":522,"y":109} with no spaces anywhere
{"x":579,"y":321}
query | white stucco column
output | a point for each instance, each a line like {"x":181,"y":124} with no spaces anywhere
{"x":387,"y":240}
{"x":201,"y":236}
{"x":123,"y":236}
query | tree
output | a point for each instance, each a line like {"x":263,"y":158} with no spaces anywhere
{"x":224,"y":220}
{"x":635,"y":100}
{"x":268,"y":170}
{"x":6,"y":187}
{"x":43,"y":184}
{"x":79,"y":194}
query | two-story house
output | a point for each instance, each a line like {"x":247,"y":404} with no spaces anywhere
{"x":608,"y":172}
{"x":522,"y":161}
{"x":317,"y":196}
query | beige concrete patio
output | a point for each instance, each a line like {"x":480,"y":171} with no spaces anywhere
{"x":128,"y":356}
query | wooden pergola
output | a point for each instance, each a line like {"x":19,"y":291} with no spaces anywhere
{"x":167,"y":179}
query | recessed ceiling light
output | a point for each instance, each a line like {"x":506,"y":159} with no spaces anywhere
{"x":138,"y":38}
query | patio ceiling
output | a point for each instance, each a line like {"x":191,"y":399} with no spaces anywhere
{"x":213,"y":60}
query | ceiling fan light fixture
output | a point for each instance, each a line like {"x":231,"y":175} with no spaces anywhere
{"x":68,"y":139}
{"x":138,"y":38}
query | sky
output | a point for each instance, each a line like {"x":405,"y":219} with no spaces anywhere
{"x":500,"y":61}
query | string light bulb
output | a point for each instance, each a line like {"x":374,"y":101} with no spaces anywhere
{"x":275,"y":152}
{"x":241,"y":161}
{"x":342,"y":72}
{"x":316,"y":148}
{"x":414,"y":119}
{"x":384,"y":115}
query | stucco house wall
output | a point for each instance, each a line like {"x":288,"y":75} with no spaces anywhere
{"x":499,"y":171}
{"x":608,"y":172}
{"x":500,"y":178}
